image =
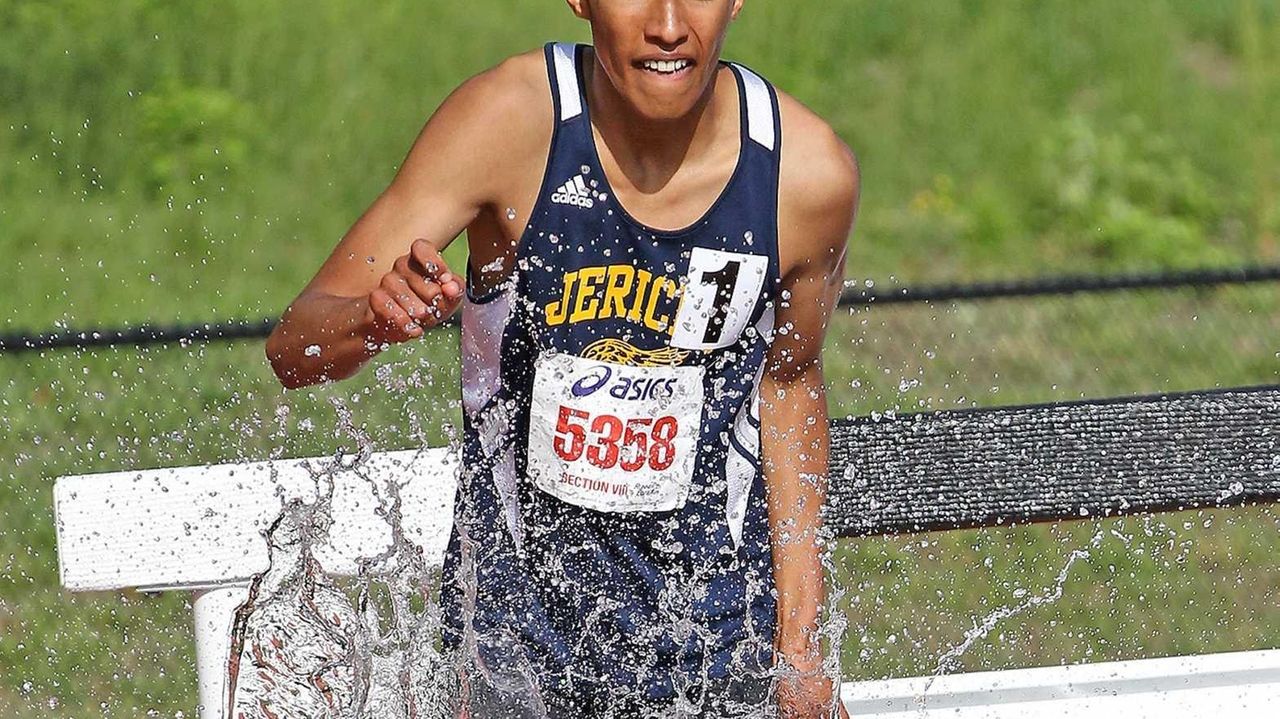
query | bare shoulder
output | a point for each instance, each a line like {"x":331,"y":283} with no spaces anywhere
{"x":819,"y":182}
{"x":514,"y":82}
{"x":498,"y":117}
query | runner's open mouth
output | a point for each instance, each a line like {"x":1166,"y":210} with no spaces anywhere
{"x":665,"y":67}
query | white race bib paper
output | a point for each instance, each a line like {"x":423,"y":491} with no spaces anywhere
{"x":614,"y":438}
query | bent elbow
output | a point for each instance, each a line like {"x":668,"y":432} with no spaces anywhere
{"x":286,"y":372}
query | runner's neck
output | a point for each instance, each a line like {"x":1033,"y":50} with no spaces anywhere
{"x":649,"y":153}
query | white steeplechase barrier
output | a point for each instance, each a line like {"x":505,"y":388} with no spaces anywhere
{"x":202,"y":529}
{"x":1221,"y":686}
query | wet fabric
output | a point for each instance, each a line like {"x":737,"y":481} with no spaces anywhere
{"x":611,"y":535}
{"x":726,"y":698}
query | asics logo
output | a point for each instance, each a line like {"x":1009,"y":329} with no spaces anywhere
{"x":593,"y":381}
{"x":574,"y":192}
{"x":626,"y":388}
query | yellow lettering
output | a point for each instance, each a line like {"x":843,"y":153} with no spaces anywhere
{"x":557,"y":311}
{"x":598,"y":293}
{"x":661,"y":285}
{"x":681,"y":293}
{"x":616,"y":288}
{"x":642,"y":283}
{"x":587,"y":304}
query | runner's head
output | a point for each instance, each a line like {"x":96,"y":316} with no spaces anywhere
{"x":660,"y":55}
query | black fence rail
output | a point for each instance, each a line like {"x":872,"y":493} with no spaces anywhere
{"x":1050,"y":462}
{"x":1063,"y":285}
{"x":138,"y":336}
{"x":853,"y":296}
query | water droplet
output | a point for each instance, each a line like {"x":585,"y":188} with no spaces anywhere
{"x":586,"y":169}
{"x":312,"y":351}
{"x":511,"y":214}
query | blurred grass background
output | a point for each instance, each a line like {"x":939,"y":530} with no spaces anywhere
{"x":185,"y":162}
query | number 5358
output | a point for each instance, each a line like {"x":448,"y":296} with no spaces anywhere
{"x":609,"y":441}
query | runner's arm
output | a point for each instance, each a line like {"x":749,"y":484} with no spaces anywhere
{"x":448,"y":178}
{"x":816,"y":210}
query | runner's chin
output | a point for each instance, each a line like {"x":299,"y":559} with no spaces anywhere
{"x":667,"y":96}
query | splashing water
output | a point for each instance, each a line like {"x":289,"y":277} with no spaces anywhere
{"x":307,"y":645}
{"x":302,"y":647}
{"x":948,"y":661}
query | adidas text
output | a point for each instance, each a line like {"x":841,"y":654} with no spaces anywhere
{"x":574,"y":192}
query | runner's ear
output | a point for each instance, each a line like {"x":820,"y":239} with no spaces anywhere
{"x":581,"y":8}
{"x":737,"y":8}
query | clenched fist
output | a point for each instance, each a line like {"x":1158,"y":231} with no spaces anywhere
{"x":418,"y":293}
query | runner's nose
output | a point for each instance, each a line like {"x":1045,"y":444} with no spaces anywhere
{"x":667,"y":27}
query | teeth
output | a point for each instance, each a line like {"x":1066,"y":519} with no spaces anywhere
{"x":665,"y":66}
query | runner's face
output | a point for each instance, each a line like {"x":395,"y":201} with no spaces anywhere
{"x":660,"y":55}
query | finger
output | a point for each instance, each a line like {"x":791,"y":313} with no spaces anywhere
{"x":436,"y":304}
{"x":427,"y":260}
{"x":423,"y":290}
{"x":430,"y":259}
{"x":391,"y":318}
{"x":398,"y":288}
{"x":429,"y":293}
{"x":440,"y":299}
{"x":449,"y":300}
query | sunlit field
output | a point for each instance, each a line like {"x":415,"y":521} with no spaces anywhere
{"x":193,"y":162}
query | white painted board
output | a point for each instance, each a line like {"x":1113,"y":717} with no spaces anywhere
{"x":191,"y":527}
{"x":1222,"y":686}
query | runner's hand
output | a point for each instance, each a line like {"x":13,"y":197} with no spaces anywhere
{"x":808,"y":694}
{"x":417,"y":294}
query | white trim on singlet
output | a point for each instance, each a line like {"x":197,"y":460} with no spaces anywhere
{"x":567,"y":80}
{"x":482,"y":326}
{"x":759,"y":108}
{"x":740,"y":469}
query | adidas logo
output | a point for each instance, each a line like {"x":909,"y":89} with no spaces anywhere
{"x":574,"y":192}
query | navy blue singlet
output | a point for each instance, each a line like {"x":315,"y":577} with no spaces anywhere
{"x":610,"y":526}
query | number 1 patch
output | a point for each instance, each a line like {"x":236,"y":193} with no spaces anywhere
{"x":611,"y":437}
{"x":720,"y":292}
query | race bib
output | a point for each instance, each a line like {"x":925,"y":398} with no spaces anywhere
{"x":614,"y":438}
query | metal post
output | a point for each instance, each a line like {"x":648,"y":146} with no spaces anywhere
{"x":214,"y":611}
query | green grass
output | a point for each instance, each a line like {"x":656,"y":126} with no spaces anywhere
{"x":178,"y":161}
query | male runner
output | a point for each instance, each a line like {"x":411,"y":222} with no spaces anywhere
{"x":656,"y":243}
